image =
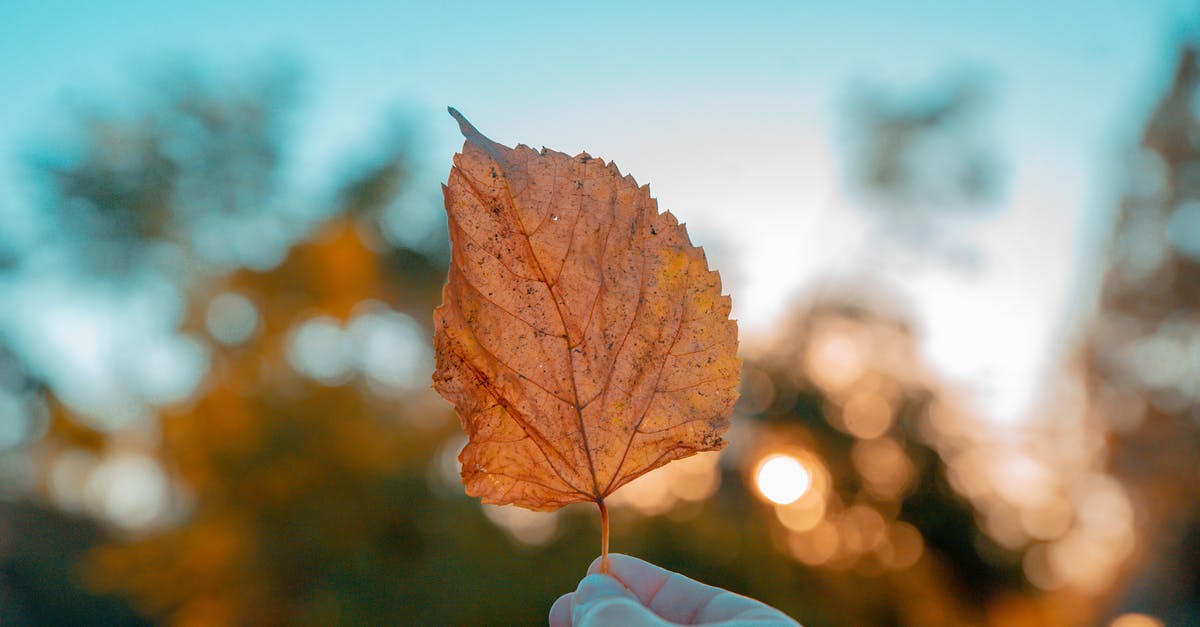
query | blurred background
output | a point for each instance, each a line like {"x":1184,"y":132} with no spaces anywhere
{"x":963,"y":244}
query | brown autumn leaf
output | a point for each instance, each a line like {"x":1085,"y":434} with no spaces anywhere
{"x":581,"y":337}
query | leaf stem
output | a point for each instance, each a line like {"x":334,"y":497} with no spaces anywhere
{"x":603,"y":536}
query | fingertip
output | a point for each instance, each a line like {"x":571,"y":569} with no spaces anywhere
{"x":639,"y":576}
{"x":622,"y":611}
{"x":560,"y":612}
{"x":616,"y":561}
{"x":595,"y":586}
{"x":594,"y":567}
{"x":602,"y":600}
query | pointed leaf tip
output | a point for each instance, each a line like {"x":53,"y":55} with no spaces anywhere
{"x":472,"y":134}
{"x":468,"y":130}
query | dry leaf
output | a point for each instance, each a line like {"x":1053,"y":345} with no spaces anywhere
{"x":582,"y":338}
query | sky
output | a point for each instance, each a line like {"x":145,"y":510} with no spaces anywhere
{"x":730,"y":111}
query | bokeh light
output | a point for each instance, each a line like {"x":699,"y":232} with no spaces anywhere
{"x":689,"y":480}
{"x":884,"y":466}
{"x":867,"y":414}
{"x":130,"y":490}
{"x":1135,"y":620}
{"x":320,"y":349}
{"x":804,"y":513}
{"x":231,"y":318}
{"x":782,"y":479}
{"x":531,"y":528}
{"x":391,"y":349}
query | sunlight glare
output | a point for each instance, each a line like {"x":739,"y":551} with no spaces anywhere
{"x":782,"y":479}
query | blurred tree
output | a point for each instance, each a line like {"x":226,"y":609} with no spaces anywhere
{"x":26,"y":417}
{"x":922,"y":160}
{"x":198,"y":170}
{"x":1143,"y":347}
{"x":843,"y":380}
{"x":925,"y":151}
{"x":39,"y":545}
{"x":36,"y":585}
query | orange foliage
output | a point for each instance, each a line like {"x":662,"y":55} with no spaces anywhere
{"x":287,"y":475}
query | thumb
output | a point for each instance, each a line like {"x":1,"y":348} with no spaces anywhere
{"x":602,"y":600}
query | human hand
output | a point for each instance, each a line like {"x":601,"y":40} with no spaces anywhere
{"x":640,"y":594}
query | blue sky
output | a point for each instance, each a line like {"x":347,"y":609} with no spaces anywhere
{"x":728,"y":110}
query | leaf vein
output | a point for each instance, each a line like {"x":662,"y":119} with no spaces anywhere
{"x":490,"y":301}
{"x":496,"y":358}
{"x":674,"y":426}
{"x":662,"y":366}
{"x":539,"y":441}
{"x":489,"y":252}
{"x":512,"y":206}
{"x":526,"y":480}
{"x":694,"y":385}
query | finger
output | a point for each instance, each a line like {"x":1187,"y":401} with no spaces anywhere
{"x":602,"y":600}
{"x":641,"y":577}
{"x":680,"y":599}
{"x":668,"y":594}
{"x":730,"y":607}
{"x":560,"y":612}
